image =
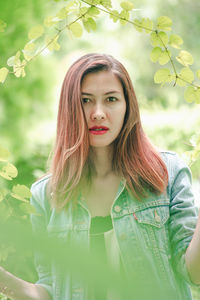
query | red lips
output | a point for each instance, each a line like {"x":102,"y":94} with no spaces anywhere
{"x":99,"y":127}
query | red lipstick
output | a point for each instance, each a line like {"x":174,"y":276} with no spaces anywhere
{"x":98,"y":130}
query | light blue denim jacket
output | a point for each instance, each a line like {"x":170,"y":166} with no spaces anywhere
{"x":152,"y":234}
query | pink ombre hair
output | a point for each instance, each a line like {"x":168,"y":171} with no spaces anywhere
{"x":134,"y":157}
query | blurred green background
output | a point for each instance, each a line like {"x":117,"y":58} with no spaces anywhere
{"x":28,"y":106}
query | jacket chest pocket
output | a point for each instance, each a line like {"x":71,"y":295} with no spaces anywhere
{"x":153,"y":225}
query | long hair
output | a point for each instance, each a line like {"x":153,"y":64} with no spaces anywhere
{"x":134,"y":158}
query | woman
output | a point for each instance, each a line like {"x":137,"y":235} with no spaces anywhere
{"x":113,"y":192}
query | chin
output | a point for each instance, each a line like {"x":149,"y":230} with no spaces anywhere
{"x":95,"y":145}
{"x":101,"y":144}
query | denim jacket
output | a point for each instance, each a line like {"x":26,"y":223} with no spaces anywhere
{"x":152,"y":235}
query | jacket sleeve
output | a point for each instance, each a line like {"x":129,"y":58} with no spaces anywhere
{"x":39,"y":224}
{"x":183,"y":213}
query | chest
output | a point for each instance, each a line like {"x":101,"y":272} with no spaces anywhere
{"x":101,"y":196}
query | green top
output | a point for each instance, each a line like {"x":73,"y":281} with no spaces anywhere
{"x":103,"y":242}
{"x":99,"y":225}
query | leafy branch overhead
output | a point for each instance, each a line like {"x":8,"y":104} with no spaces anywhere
{"x":79,"y":15}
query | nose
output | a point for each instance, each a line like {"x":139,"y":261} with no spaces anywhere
{"x":98,"y":113}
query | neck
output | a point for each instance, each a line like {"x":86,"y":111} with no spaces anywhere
{"x":102,"y":159}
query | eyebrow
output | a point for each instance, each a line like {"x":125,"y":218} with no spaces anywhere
{"x":107,"y":93}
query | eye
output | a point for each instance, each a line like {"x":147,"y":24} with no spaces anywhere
{"x":112,"y":99}
{"x":85,"y":100}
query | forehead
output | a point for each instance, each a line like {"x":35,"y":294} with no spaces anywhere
{"x":102,"y":80}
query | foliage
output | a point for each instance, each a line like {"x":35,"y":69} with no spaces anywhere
{"x":13,"y":203}
{"x":73,"y":18}
{"x":194,"y":154}
{"x":22,"y":100}
{"x":78,"y":16}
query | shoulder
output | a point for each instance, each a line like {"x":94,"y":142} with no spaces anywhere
{"x":176,"y":166}
{"x":41,"y":184}
{"x":39,"y":191}
{"x":172,"y":160}
{"x":167,"y":155}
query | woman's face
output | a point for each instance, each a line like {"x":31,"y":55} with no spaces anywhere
{"x":104,"y":106}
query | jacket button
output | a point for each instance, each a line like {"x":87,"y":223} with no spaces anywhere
{"x":117,"y":208}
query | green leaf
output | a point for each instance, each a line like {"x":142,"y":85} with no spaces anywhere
{"x":28,"y":51}
{"x":185,"y":58}
{"x":198,"y":74}
{"x":3,"y":74}
{"x":9,"y":171}
{"x":163,"y":38}
{"x":29,"y":47}
{"x":4,"y":154}
{"x":159,"y":39}
{"x":18,"y":197}
{"x":127,"y":5}
{"x":164,"y":57}
{"x":147,"y":24}
{"x":17,"y":56}
{"x":35,"y":32}
{"x":27,"y":55}
{"x":105,"y":3}
{"x":71,"y":3}
{"x":171,"y":77}
{"x":197,"y":96}
{"x":93,"y":11}
{"x":164,"y":23}
{"x":52,"y":43}
{"x":158,"y":55}
{"x":180,"y":82}
{"x":62,"y":14}
{"x":27,"y":208}
{"x":2,"y":25}
{"x":49,"y":21}
{"x":125,"y":16}
{"x":161,"y":75}
{"x":138,"y":25}
{"x":192,"y":94}
{"x":76,"y":29}
{"x":155,"y":54}
{"x":89,"y":24}
{"x":175,"y":41}
{"x":187,"y":75}
{"x":21,"y":192}
{"x":11,"y":61}
{"x":83,"y":10}
{"x":18,"y":68}
{"x":114,"y":15}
